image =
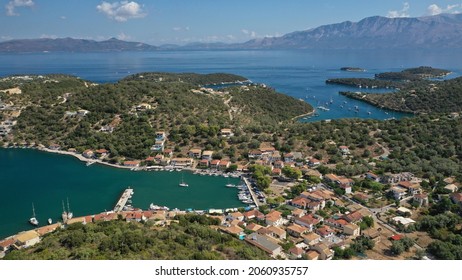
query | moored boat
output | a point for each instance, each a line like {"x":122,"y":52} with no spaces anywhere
{"x":33,"y":221}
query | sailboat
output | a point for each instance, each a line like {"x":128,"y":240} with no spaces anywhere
{"x":69,"y":213}
{"x":183,"y":183}
{"x":33,"y":221}
{"x":64,"y":214}
{"x":229,"y":185}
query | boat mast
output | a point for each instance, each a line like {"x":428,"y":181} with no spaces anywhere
{"x":64,"y":214}
{"x":68,"y":209}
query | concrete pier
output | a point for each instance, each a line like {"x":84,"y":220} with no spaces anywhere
{"x":126,"y":195}
{"x":252,"y":194}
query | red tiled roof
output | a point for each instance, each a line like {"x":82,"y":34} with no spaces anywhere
{"x":308,"y":219}
{"x":296,"y":251}
{"x":276,"y":171}
{"x":6,"y":243}
{"x":405,"y":184}
{"x":457,"y":197}
{"x":396,"y":237}
{"x":297,"y":228}
{"x":324,"y":231}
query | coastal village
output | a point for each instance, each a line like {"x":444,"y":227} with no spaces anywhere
{"x":301,"y":212}
{"x":326,"y":212}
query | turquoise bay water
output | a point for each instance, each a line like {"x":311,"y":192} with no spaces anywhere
{"x":30,"y":176}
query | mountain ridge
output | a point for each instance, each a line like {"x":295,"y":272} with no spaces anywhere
{"x":72,"y":45}
{"x":442,"y":31}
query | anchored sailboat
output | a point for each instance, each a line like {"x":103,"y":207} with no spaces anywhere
{"x":183,"y":183}
{"x":69,"y":213}
{"x":33,"y":221}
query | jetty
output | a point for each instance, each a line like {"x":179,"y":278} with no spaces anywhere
{"x":126,"y":195}
{"x":252,"y":194}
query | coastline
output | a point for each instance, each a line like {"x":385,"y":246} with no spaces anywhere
{"x":130,"y":168}
{"x":304,"y":115}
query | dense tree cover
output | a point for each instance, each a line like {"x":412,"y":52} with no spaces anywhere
{"x":445,"y":228}
{"x":267,"y":107}
{"x":261,"y":175}
{"x":418,"y":97}
{"x":417,"y":73}
{"x":359,"y":246}
{"x":190,"y":118}
{"x":191,"y":238}
{"x":292,"y":173}
{"x":399,"y":246}
{"x":191,"y":78}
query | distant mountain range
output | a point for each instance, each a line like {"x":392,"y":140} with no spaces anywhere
{"x":72,"y":45}
{"x":441,"y":32}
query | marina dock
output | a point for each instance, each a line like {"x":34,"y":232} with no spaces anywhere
{"x":126,"y":195}
{"x":252,"y":194}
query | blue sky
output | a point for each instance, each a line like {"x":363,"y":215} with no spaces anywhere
{"x":184,"y":21}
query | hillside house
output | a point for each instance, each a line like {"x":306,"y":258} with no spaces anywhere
{"x":195,"y":153}
{"x":207,"y":155}
{"x":274,"y":218}
{"x":265,"y":243}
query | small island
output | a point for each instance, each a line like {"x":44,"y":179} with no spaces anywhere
{"x":353,"y":69}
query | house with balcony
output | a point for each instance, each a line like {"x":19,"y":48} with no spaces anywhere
{"x":207,"y":155}
{"x":195,"y":153}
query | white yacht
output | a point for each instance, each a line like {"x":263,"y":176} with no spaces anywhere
{"x":183,"y":183}
{"x":33,"y":221}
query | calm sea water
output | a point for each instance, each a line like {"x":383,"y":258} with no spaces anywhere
{"x":28,"y":176}
{"x":31,"y":176}
{"x":298,"y":73}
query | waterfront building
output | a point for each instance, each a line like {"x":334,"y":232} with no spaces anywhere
{"x":88,"y":154}
{"x":27,"y":239}
{"x":195,"y":153}
{"x":207,"y":155}
{"x":182,"y":162}
{"x":132,"y":163}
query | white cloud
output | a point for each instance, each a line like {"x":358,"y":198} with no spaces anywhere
{"x":434,"y":9}
{"x":251,"y":34}
{"x":404,"y":12}
{"x":178,"y":29}
{"x":63,"y":17}
{"x":48,"y":36}
{"x":6,"y":38}
{"x":122,"y":36}
{"x":121,"y":11}
{"x":13,"y":4}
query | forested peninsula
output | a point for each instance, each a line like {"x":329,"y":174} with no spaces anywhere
{"x":414,"y":90}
